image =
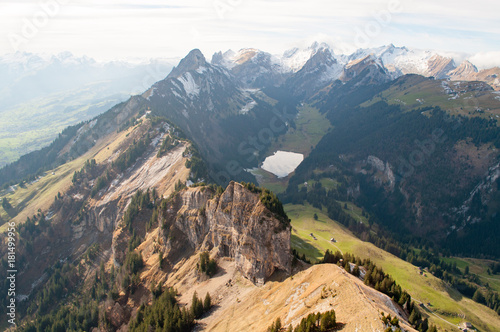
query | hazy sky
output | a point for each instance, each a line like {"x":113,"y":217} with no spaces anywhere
{"x":109,"y":29}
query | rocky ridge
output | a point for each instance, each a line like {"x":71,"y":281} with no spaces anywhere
{"x":235,"y":224}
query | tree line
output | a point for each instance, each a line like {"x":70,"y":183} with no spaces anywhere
{"x":314,"y":322}
{"x":165,"y":314}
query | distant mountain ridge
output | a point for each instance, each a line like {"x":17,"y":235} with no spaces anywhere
{"x":398,"y":61}
{"x":41,"y":95}
{"x":64,"y":89}
{"x":27,"y":75}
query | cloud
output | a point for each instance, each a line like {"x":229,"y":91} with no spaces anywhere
{"x":156,"y":28}
{"x":486,"y":59}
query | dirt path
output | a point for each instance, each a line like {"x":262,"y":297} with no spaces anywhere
{"x":434,"y":314}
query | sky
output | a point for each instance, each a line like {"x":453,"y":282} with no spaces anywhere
{"x":126,"y":29}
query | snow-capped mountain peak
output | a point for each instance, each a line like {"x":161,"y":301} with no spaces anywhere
{"x":195,"y":86}
{"x":224,"y":59}
{"x":321,"y":69}
{"x":318,"y":65}
{"x":295,"y":58}
{"x":254,"y":68}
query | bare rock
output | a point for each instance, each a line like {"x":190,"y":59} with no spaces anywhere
{"x":237,"y":224}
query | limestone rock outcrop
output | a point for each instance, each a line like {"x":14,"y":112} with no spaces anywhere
{"x":236,"y":223}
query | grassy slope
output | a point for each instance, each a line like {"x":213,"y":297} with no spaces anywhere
{"x":355,"y":211}
{"x":270,"y":181}
{"x":431,"y":93}
{"x":40,"y":195}
{"x":311,"y":126}
{"x":445,"y":302}
{"x":478,"y":267}
{"x":326,"y":183}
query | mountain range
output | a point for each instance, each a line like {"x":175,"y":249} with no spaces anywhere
{"x":248,"y":64}
{"x":57,"y":90}
{"x":391,"y":219}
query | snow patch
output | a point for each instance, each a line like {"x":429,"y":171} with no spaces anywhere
{"x":177,"y":94}
{"x":333,"y":72}
{"x":190,"y":86}
{"x":174,"y":83}
{"x":201,"y":70}
{"x":22,"y":297}
{"x":151,"y":93}
{"x":294,"y":59}
{"x":92,"y":123}
{"x":248,"y":107}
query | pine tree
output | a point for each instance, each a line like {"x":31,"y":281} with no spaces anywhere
{"x":160,"y":259}
{"x":479,"y":297}
{"x":277,"y":324}
{"x":414,"y":317}
{"x":196,"y":306}
{"x":327,"y":320}
{"x":207,"y":304}
{"x":275,"y":327}
{"x":424,"y":326}
{"x":356,"y":271}
{"x":6,"y":204}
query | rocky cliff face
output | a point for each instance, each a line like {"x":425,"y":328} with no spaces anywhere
{"x":235,"y":224}
{"x":438,"y":66}
{"x":466,"y":71}
{"x":490,"y":76}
